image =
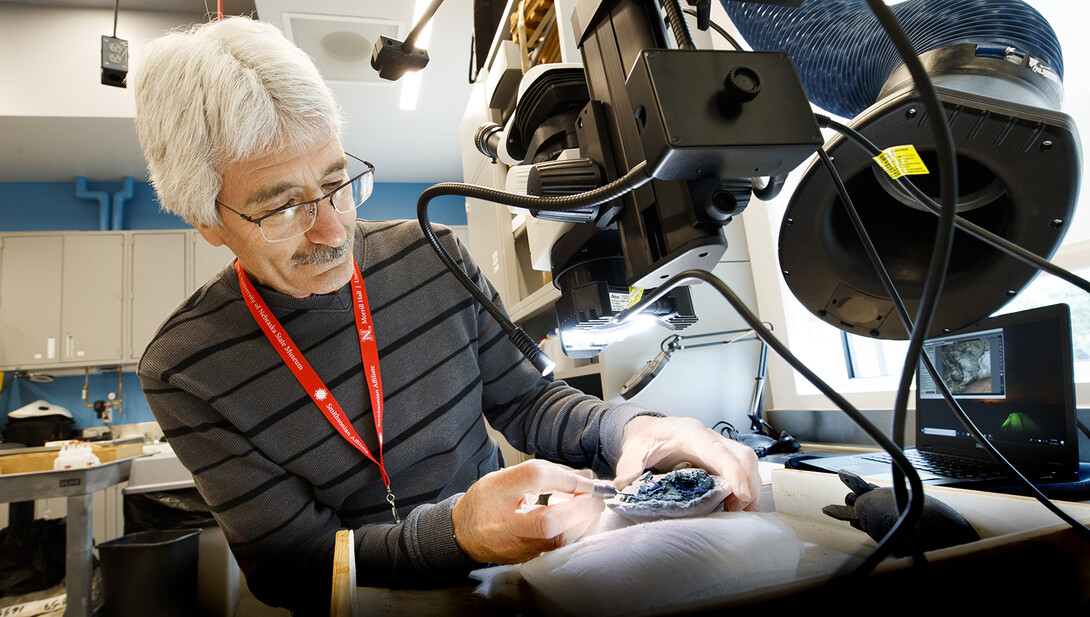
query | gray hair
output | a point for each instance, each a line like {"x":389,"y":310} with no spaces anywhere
{"x":222,"y":92}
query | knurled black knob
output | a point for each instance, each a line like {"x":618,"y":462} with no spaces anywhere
{"x":740,"y":86}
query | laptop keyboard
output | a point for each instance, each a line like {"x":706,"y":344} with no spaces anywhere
{"x":944,"y":465}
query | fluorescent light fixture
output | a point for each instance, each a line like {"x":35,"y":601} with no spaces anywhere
{"x":410,"y":87}
{"x":410,"y":91}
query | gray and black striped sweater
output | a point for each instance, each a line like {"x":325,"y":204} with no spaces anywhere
{"x":281,"y":481}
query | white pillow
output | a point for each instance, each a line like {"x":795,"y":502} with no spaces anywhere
{"x":642,"y":569}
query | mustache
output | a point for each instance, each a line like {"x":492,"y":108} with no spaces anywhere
{"x":320,"y":254}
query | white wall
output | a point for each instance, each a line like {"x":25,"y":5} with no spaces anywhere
{"x":50,"y":59}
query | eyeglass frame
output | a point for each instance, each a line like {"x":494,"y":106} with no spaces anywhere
{"x":315,"y":202}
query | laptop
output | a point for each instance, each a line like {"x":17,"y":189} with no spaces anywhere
{"x":1013,"y":376}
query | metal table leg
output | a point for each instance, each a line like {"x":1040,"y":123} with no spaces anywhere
{"x":79,"y":563}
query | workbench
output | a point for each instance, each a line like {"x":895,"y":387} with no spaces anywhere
{"x":1027,"y":558}
{"x":77,"y":485}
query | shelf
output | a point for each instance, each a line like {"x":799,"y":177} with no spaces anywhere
{"x":518,"y":224}
{"x":593,"y":368}
{"x":535,"y":303}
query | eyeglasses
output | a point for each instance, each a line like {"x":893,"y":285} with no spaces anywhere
{"x":293,"y":220}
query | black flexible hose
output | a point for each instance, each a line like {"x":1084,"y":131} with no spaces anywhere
{"x":770,"y":190}
{"x":722,"y":32}
{"x":636,"y":177}
{"x":678,"y":24}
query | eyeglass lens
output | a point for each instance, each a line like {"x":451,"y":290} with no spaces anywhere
{"x":296,"y":221}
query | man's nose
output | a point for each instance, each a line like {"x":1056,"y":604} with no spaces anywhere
{"x":327,"y":228}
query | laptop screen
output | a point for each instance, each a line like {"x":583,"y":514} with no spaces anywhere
{"x":1013,"y":376}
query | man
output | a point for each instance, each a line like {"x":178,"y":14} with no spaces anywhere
{"x":337,"y":375}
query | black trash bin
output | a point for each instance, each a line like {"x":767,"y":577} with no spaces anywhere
{"x":150,"y":573}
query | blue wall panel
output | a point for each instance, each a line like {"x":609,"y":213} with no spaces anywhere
{"x":54,"y":206}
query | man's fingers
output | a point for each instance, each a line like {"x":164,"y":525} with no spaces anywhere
{"x":538,"y":476}
{"x":549,"y":477}
{"x":664,"y":444}
{"x":732,"y":460}
{"x":629,"y":467}
{"x":545,"y":523}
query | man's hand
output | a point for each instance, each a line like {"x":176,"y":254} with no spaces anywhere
{"x":664,"y":443}
{"x":494,"y":524}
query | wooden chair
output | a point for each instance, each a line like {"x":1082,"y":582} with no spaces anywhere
{"x":343,"y":602}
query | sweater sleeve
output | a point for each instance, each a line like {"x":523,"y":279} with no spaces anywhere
{"x":282,"y":538}
{"x":542,"y":415}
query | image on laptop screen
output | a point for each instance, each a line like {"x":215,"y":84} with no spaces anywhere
{"x":970,"y":365}
{"x":1012,"y":375}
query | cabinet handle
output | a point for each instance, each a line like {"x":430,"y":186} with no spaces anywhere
{"x":68,"y":347}
{"x":51,"y":347}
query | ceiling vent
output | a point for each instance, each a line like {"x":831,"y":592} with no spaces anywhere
{"x":340,"y":45}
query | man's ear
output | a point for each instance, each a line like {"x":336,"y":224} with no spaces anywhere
{"x":211,"y":235}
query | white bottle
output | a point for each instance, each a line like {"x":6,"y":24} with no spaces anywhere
{"x":75,"y":456}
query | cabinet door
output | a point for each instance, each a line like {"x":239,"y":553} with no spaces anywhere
{"x":91,"y":304}
{"x":157,"y":284}
{"x":30,"y":300}
{"x":208,"y":260}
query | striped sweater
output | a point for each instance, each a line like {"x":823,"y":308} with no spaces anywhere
{"x":278,"y":477}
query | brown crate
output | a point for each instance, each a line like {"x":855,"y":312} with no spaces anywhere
{"x":43,"y":461}
{"x":106,"y":454}
{"x":25,"y":463}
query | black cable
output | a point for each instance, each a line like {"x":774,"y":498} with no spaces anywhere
{"x":633,"y":179}
{"x":722,"y":32}
{"x":932,"y":285}
{"x":692,"y":276}
{"x":732,"y":433}
{"x":472,"y":54}
{"x":906,"y":320}
{"x":912,"y":505}
{"x":636,"y":177}
{"x":1007,"y":247}
{"x":678,"y":24}
{"x":965,"y":225}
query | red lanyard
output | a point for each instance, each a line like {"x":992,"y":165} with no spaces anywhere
{"x":313,"y":384}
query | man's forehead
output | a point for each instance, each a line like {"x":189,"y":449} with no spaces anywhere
{"x":263,"y":193}
{"x":260,"y":179}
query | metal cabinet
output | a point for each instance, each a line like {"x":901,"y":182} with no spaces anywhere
{"x":61,"y":299}
{"x":157,"y":284}
{"x":206,"y":260}
{"x":85,"y":299}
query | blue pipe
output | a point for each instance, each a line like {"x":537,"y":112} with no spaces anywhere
{"x":103,"y":201}
{"x":844,"y":57}
{"x":119,"y":204}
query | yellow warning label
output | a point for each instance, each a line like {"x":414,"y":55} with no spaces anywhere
{"x":901,"y":161}
{"x":634,"y":295}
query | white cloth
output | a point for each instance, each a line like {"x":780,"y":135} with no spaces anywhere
{"x":646,"y":568}
{"x":39,"y":408}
